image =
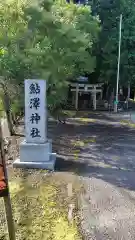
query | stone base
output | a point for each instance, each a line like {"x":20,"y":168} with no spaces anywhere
{"x":34,"y":165}
{"x":34,"y":155}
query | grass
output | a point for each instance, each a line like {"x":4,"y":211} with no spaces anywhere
{"x":40,"y":208}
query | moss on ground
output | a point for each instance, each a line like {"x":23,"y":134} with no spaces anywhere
{"x":40,"y":207}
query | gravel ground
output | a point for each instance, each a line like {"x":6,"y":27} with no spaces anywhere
{"x":107,"y":212}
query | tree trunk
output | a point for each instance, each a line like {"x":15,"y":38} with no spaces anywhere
{"x":6,"y":104}
{"x":10,"y":124}
{"x":13,"y":117}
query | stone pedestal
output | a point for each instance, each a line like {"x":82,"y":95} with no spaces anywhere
{"x":35,"y":155}
{"x":36,"y":149}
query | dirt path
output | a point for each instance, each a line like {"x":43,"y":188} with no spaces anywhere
{"x":101,"y":151}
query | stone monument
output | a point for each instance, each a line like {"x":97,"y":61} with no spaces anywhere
{"x":36,"y":149}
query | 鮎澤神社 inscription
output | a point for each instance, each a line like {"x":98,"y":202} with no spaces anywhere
{"x":35,"y":111}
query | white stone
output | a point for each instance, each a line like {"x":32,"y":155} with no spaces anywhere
{"x":41,"y":111}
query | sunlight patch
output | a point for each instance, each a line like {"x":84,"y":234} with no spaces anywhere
{"x":128,"y":123}
{"x":75,"y":156}
{"x":15,"y":187}
{"x":87,"y":120}
{"x":77,"y":143}
{"x":64,"y":231}
{"x":124,"y":121}
{"x":90,"y":140}
{"x":76,"y":151}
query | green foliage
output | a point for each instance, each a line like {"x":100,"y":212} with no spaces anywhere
{"x":109,"y":13}
{"x":50,"y":40}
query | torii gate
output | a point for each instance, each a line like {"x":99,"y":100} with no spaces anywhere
{"x":93,"y":88}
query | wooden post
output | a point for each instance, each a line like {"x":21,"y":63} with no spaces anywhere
{"x":73,"y":98}
{"x":9,"y":217}
{"x":7,"y":202}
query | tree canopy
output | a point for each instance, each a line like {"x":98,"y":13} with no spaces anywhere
{"x":50,"y":40}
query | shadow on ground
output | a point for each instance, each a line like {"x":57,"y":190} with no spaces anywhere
{"x":103,"y":149}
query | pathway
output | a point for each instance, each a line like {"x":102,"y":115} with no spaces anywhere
{"x":101,"y":151}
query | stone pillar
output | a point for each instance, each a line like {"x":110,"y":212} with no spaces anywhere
{"x":101,"y":94}
{"x":73,"y":98}
{"x":36,"y":149}
{"x":35,"y":111}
